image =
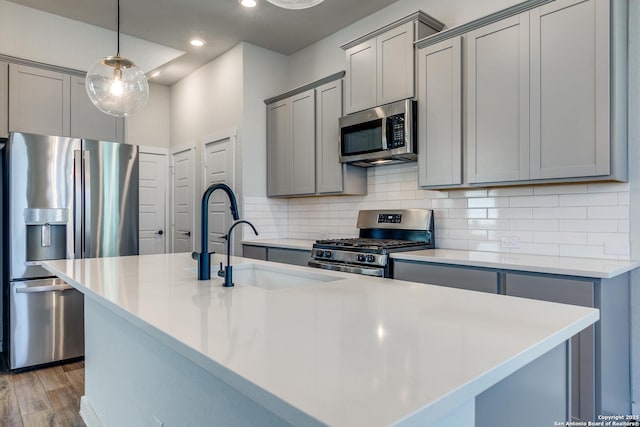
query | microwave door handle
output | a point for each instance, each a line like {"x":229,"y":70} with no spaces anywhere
{"x":387,"y":132}
{"x":77,"y":204}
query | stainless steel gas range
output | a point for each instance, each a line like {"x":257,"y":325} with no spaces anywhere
{"x":382,"y":232}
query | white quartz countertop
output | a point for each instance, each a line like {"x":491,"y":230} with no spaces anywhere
{"x":282,"y":243}
{"x":354,"y":351}
{"x":584,"y":267}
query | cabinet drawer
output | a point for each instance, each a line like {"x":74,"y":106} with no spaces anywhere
{"x":454,"y":277}
{"x":289,"y":256}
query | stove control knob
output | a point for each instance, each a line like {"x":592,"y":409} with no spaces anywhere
{"x":319,"y":254}
{"x":360,"y":258}
{"x":371,"y":258}
{"x":326,"y":254}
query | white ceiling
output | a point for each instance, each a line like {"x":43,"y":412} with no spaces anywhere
{"x":221,"y":23}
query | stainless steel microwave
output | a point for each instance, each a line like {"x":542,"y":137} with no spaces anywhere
{"x":379,"y":136}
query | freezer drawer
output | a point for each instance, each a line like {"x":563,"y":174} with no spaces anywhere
{"x":47,"y":322}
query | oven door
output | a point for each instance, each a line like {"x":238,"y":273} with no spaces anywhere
{"x":348,"y":268}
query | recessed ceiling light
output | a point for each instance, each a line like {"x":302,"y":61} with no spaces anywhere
{"x":248,"y":3}
{"x":196,"y":42}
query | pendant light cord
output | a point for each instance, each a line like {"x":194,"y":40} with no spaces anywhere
{"x":118,"y":54}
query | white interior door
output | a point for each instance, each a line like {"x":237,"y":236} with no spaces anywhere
{"x":153,"y":188}
{"x":218,"y":168}
{"x":182,"y":183}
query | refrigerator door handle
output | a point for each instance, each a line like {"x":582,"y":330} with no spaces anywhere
{"x":44,"y":288}
{"x":86,"y":205}
{"x":77,"y":204}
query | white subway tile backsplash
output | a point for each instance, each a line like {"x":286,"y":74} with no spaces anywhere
{"x":488,"y":202}
{"x":580,"y":220}
{"x":510,"y":191}
{"x":533,"y":201}
{"x":589,"y":225}
{"x":510,"y":213}
{"x":560,"y":213}
{"x":534,"y":224}
{"x":611,"y":212}
{"x":560,"y":237}
{"x":488,"y":224}
{"x":590,"y":199}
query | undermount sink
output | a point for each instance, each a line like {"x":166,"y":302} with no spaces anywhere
{"x":273,"y":277}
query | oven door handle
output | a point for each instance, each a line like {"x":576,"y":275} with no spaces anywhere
{"x":348,"y":268}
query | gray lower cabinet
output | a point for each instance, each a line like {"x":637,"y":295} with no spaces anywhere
{"x":283,"y":255}
{"x":49,"y":102}
{"x":472,"y":279}
{"x":600,"y":354}
{"x":4,"y":99}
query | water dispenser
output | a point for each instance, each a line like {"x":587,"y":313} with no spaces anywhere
{"x":46,"y":233}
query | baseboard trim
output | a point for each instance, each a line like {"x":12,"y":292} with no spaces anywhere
{"x":87,"y":413}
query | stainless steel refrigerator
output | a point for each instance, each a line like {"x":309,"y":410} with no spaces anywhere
{"x":67,"y":198}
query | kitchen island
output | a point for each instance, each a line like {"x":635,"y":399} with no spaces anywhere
{"x":334,"y":349}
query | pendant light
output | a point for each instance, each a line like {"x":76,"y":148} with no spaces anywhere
{"x":295,"y":4}
{"x":115,"y":85}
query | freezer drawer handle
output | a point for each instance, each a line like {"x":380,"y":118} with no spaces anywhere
{"x":46,"y":288}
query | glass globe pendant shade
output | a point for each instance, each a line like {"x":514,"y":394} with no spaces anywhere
{"x":295,"y":4}
{"x":116,"y":86}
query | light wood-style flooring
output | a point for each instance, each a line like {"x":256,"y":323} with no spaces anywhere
{"x":42,"y":397}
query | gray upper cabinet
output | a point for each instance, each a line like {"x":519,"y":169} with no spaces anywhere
{"x":380,"y":67}
{"x":303,"y":152}
{"x":54,"y":103}
{"x":89,"y":122}
{"x":395,"y":64}
{"x":497,"y":131}
{"x":4,"y":99}
{"x":361,"y":77}
{"x":440,"y":113}
{"x":333,"y":177}
{"x":39,"y":101}
{"x":570,"y":89}
{"x":544,"y":96}
{"x":291,"y":145}
{"x":303,"y":147}
{"x":278,"y":148}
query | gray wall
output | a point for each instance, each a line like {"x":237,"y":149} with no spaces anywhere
{"x":150,"y":126}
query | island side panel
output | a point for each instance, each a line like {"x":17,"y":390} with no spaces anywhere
{"x":133,"y":379}
{"x":536,"y":395}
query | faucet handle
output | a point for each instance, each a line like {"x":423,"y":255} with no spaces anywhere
{"x":221,"y":272}
{"x":195,"y":255}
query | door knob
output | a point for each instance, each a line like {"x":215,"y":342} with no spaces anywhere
{"x":159,"y":232}
{"x":187,"y":233}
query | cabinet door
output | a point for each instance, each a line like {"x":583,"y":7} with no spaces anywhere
{"x":395,"y":64}
{"x":570,"y":89}
{"x":303,"y":147}
{"x":497,"y":65}
{"x":4,"y":99}
{"x":575,"y":292}
{"x":89,"y":122}
{"x":289,"y":256}
{"x":329,"y":170}
{"x":278,"y":152}
{"x":440,"y":113}
{"x":471,"y":279}
{"x":39,"y":101}
{"x":361,"y":77}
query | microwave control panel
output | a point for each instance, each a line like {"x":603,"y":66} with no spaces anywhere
{"x":395,"y":129}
